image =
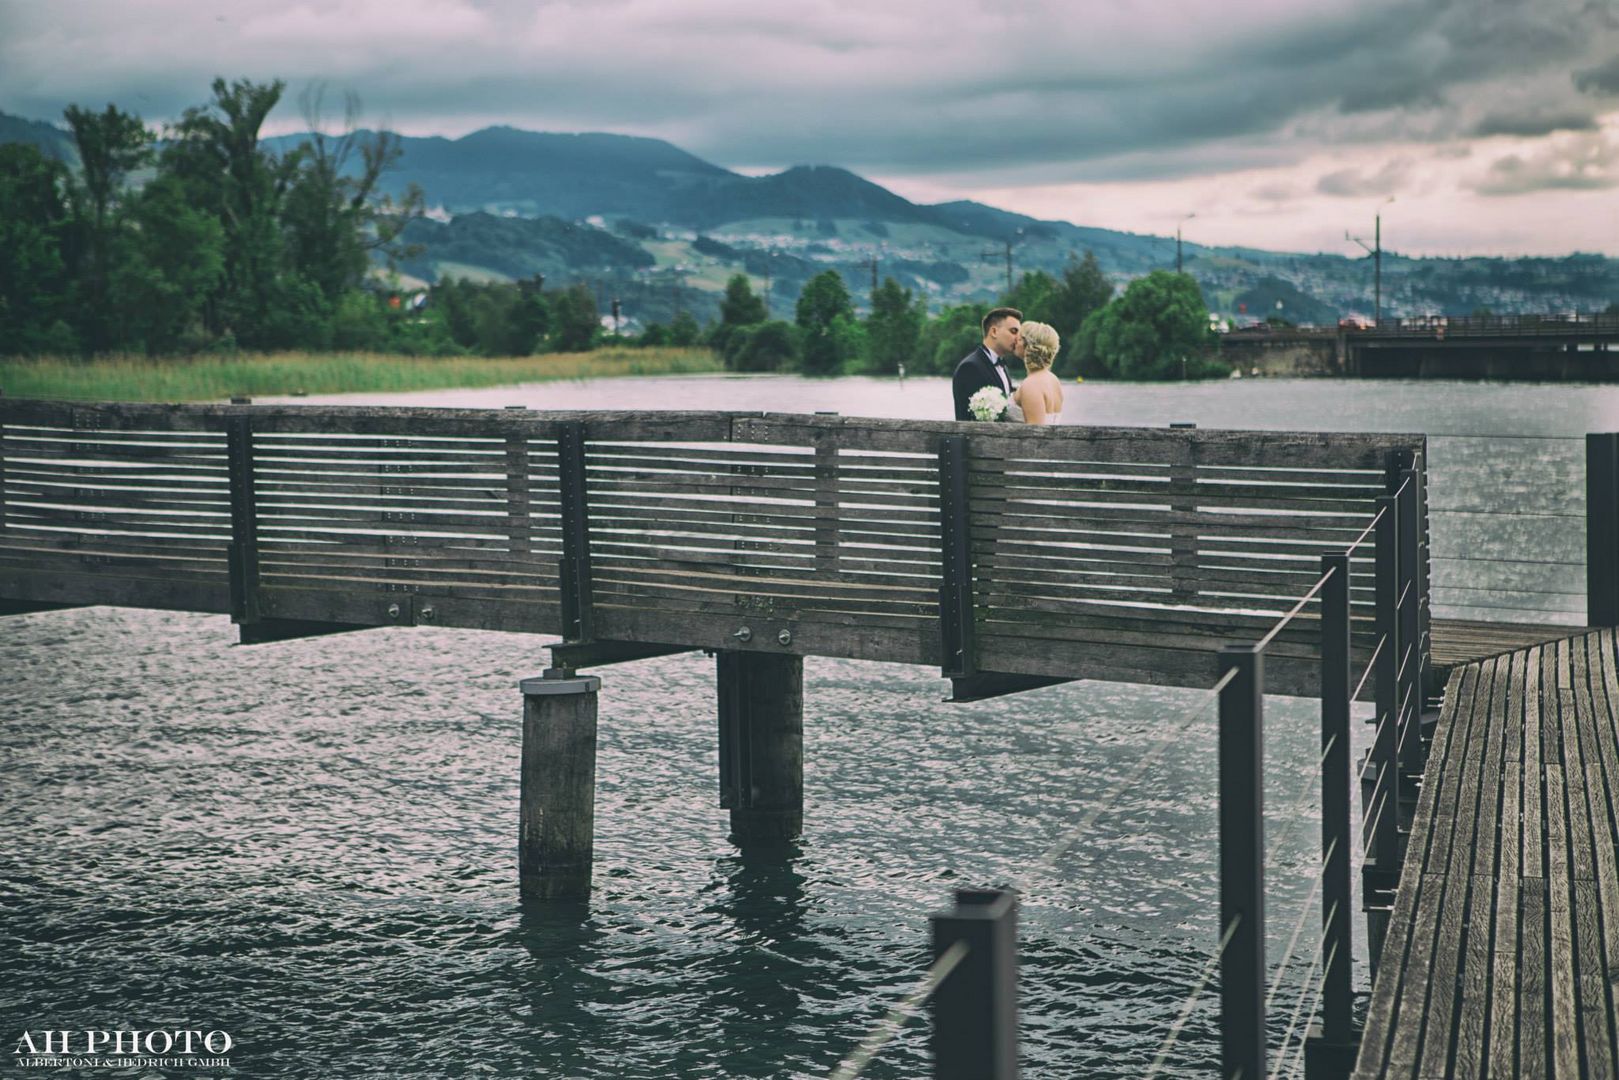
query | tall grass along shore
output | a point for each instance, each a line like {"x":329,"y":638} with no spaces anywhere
{"x":277,"y":374}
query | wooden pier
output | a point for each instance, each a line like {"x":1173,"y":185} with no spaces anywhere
{"x":1502,"y":957}
{"x":1011,"y":558}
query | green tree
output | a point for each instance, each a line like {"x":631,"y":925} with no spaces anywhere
{"x":1033,"y":296}
{"x":574,"y":319}
{"x":826,"y":315}
{"x":738,"y":309}
{"x":33,"y":277}
{"x":214,"y":152}
{"x":111,"y":145}
{"x":771,"y":346}
{"x":1082,"y":290}
{"x":1160,"y":324}
{"x":164,"y":266}
{"x":948,"y":338}
{"x":894,"y":327}
{"x":740,"y":306}
{"x":684,"y":331}
{"x":332,"y":212}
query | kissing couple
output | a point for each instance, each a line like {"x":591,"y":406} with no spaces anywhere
{"x":1038,"y":400}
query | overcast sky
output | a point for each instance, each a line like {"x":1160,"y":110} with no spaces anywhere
{"x":1493,"y":125}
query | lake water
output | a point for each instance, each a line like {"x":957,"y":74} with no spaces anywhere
{"x":310,"y":845}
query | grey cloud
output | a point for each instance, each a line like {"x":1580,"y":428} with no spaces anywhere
{"x":1585,"y":163}
{"x":1602,"y":79}
{"x":901,"y":89}
{"x":1533,"y":125}
{"x":1353,"y":183}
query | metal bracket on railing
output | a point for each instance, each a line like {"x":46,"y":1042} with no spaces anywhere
{"x":957,"y":653}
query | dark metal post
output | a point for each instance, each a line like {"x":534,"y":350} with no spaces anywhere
{"x":243,"y":550}
{"x":956,"y":589}
{"x":975,"y":1006}
{"x":1380,"y":812}
{"x":1409,"y":730}
{"x":1242,"y":863}
{"x":1330,"y":1050}
{"x":575,"y":563}
{"x":1602,"y":529}
{"x":557,"y":814}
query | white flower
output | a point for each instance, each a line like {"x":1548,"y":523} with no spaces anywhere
{"x":988,"y":403}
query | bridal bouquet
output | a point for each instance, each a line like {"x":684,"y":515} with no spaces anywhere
{"x":988,"y":404}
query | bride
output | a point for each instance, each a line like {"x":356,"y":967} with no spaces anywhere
{"x":1038,"y":400}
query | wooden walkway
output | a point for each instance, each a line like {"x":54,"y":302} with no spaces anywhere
{"x":1502,"y":954}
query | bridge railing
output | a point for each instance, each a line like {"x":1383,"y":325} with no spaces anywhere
{"x":990,"y":550}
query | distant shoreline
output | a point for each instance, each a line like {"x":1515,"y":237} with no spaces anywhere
{"x":298,"y":374}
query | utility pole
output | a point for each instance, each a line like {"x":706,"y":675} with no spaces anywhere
{"x":989,"y":255}
{"x":1178,"y":225}
{"x":768,"y":312}
{"x":1376,"y":252}
{"x":871,"y":261}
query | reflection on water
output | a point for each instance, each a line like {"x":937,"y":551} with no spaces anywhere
{"x":312,"y":844}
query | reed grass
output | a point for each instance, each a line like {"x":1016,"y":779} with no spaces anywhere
{"x":140,"y":378}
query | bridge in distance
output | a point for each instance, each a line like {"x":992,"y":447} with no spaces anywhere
{"x":1574,"y":348}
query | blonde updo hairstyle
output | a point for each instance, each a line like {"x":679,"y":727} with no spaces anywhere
{"x":1040,"y":345}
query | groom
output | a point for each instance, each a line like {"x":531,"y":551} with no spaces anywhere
{"x":985,"y":365}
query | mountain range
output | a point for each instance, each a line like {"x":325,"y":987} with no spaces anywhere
{"x":648,"y":221}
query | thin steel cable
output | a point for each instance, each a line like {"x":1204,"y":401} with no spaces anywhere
{"x":1361,"y":539}
{"x":1320,"y":992}
{"x":1298,"y":607}
{"x":1298,"y":927}
{"x":1068,"y":839}
{"x":891,"y":1024}
{"x":1292,"y":816}
{"x":1191,"y":1000}
{"x":1371,"y":665}
{"x":1369,"y":835}
{"x":1298,"y":1008}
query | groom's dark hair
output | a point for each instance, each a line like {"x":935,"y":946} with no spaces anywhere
{"x":998,"y":316}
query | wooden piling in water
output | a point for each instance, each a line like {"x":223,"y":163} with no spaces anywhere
{"x":761,"y":721}
{"x":557,"y":815}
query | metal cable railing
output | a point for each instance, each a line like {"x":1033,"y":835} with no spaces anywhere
{"x":1190,"y":1001}
{"x":893,"y":1022}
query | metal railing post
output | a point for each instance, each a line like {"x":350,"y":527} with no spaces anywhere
{"x":575,"y":586}
{"x":1380,"y":871}
{"x":975,"y":1006}
{"x":1409,"y":729}
{"x":1331,"y":1045}
{"x":1602,"y":529}
{"x":957,"y":654}
{"x":1242,"y":864}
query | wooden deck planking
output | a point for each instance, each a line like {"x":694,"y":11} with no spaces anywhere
{"x":1504,"y":942}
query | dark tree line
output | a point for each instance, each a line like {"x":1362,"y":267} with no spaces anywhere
{"x":204,"y":239}
{"x":1157,"y":329}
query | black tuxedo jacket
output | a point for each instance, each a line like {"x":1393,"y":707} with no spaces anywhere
{"x":973,"y":374}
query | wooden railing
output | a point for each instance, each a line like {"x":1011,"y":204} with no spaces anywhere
{"x":990,"y":550}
